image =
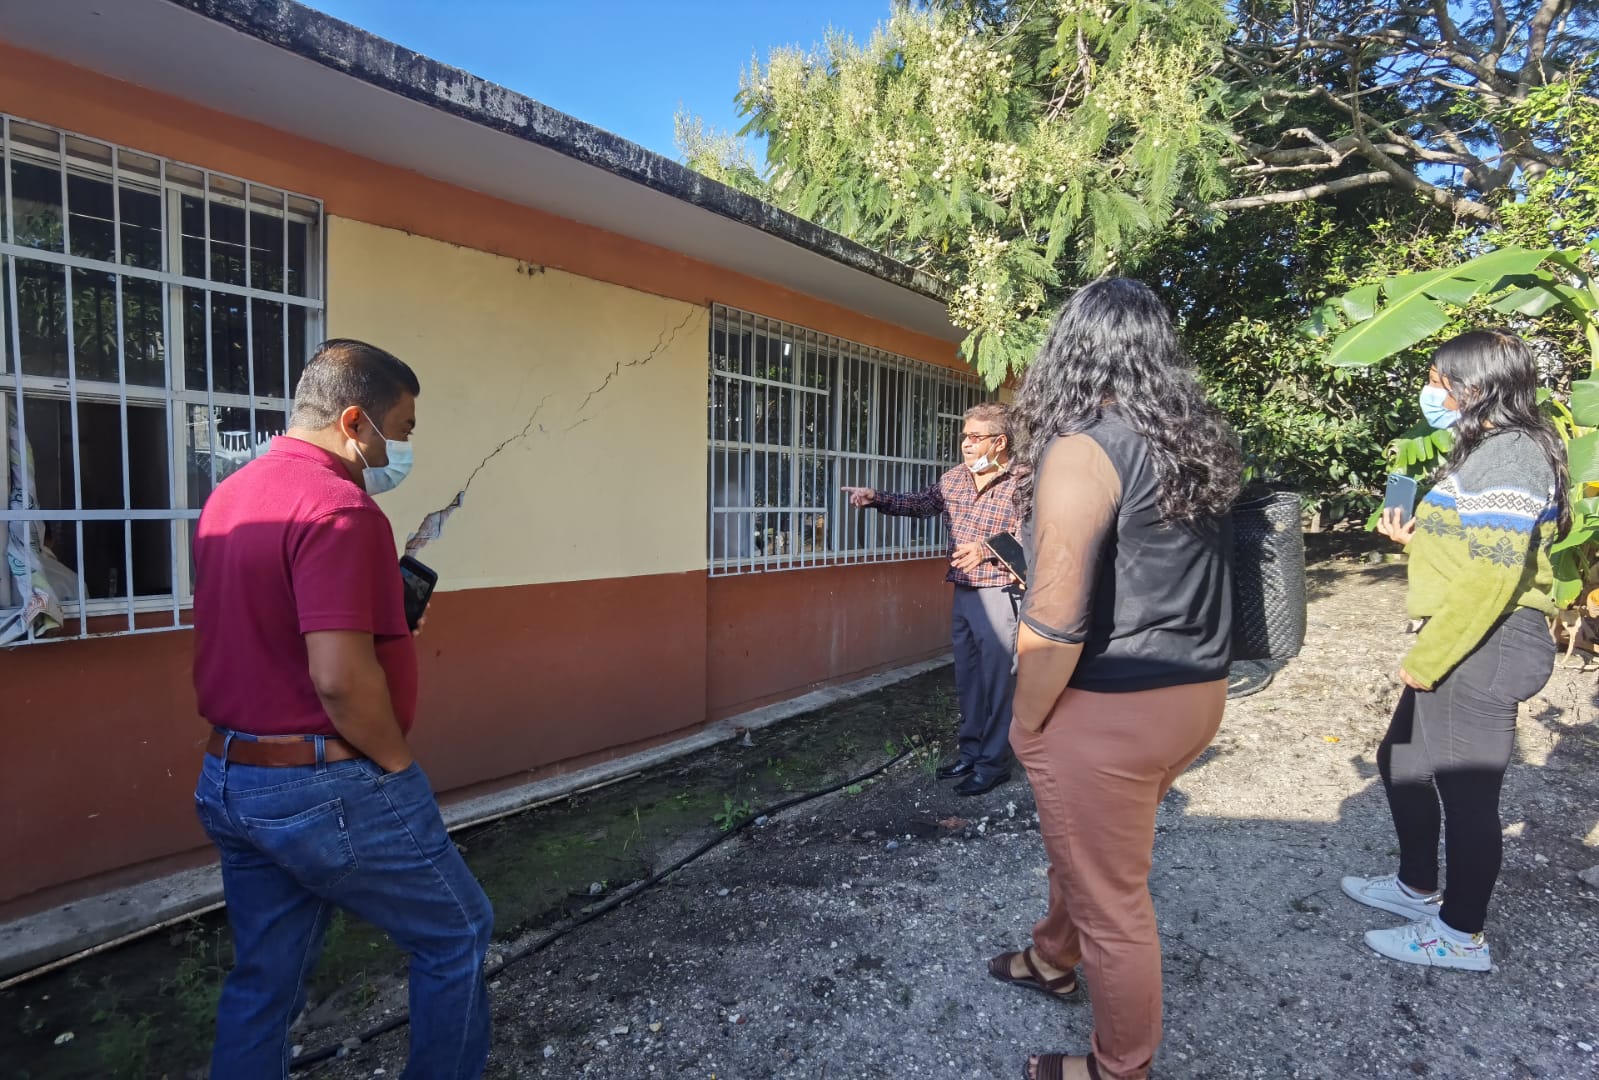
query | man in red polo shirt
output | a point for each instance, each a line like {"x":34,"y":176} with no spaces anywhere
{"x":305,"y":668}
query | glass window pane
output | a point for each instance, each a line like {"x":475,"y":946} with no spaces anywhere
{"x":42,"y":317}
{"x":298,"y":345}
{"x":149,"y":458}
{"x":100,"y":454}
{"x":222,"y":437}
{"x":773,"y":415}
{"x":267,"y":330}
{"x":192,"y":223}
{"x":730,"y":410}
{"x":36,"y":204}
{"x":49,"y":432}
{"x":227,"y":244}
{"x":141,"y":228}
{"x":266,"y":252}
{"x":104,"y":558}
{"x":230,"y":359}
{"x":94,"y":325}
{"x":144,"y":332}
{"x":5,"y":311}
{"x":192,"y":312}
{"x":91,"y":225}
{"x":300,"y":237}
{"x":720,"y":358}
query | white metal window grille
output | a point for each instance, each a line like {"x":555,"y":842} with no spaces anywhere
{"x":795,"y":415}
{"x":154,"y":319}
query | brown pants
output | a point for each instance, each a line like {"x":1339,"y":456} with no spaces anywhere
{"x":1099,"y":769}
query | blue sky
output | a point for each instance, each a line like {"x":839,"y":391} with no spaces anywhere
{"x":625,"y":65}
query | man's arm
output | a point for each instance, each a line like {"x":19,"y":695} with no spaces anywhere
{"x":355,"y":694}
{"x":929,"y":502}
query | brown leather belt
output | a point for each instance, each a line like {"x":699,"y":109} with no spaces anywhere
{"x":280,"y":749}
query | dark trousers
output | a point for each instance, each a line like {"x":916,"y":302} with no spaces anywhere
{"x":984,"y":639}
{"x":1452,"y":744}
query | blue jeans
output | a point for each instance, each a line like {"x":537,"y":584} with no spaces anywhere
{"x":298,"y":841}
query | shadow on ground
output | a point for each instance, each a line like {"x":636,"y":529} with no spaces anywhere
{"x":847,"y":938}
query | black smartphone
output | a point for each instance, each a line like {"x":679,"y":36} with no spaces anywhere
{"x":1400,"y":495}
{"x":419,"y":581}
{"x":1008,"y":550}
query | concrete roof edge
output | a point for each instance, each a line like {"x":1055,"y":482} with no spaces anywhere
{"x":379,"y":62}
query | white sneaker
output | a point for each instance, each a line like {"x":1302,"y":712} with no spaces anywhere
{"x":1386,"y":893}
{"x":1425,"y":942}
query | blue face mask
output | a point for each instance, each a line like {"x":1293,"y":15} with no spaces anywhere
{"x":389,"y":476}
{"x":1432,"y":407}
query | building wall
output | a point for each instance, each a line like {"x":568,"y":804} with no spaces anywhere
{"x":575,"y":619}
{"x":39,"y":88}
{"x":573,"y":413}
{"x":775,"y":636}
{"x":574,"y":408}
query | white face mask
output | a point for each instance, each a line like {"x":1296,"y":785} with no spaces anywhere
{"x":984,"y":463}
{"x":386,"y":477}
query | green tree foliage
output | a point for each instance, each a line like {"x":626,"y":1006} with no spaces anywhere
{"x":1252,"y":157}
{"x":1008,"y":158}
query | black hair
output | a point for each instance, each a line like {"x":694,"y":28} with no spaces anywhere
{"x":1114,"y":341}
{"x":345,"y":372}
{"x":1494,"y":380}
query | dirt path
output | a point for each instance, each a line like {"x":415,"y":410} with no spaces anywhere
{"x":847,"y":939}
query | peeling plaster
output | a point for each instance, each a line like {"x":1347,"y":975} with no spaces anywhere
{"x":432,"y":525}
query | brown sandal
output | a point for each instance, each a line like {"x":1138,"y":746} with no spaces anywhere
{"x":1053,"y":1067}
{"x":1061,"y":986}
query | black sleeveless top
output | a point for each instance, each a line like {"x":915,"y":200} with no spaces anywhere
{"x":1150,"y":602}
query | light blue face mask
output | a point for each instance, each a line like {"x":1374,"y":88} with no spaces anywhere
{"x":1432,"y":407}
{"x":389,"y":476}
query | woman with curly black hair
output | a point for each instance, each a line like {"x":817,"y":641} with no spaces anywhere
{"x":1480,"y":578}
{"x":1123,"y":646}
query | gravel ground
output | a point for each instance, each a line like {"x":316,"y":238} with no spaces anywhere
{"x":848,"y":938}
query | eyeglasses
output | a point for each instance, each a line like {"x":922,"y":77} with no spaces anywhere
{"x":974,"y":436}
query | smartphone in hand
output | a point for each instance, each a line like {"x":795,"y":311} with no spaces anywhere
{"x":1400,"y":495}
{"x":1008,"y":550}
{"x":419,"y":581}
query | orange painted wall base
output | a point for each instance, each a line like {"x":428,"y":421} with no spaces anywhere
{"x":103,"y":742}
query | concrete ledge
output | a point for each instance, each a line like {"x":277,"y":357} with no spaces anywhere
{"x":101,"y":922}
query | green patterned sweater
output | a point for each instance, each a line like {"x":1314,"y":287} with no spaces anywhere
{"x":1481,"y":550}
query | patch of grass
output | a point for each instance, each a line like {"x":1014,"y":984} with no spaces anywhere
{"x":196,"y":983}
{"x":124,"y":1043}
{"x":731,"y":813}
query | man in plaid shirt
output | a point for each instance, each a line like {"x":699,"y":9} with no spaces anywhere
{"x":977,"y":500}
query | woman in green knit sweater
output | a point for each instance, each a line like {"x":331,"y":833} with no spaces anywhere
{"x":1480,"y":580}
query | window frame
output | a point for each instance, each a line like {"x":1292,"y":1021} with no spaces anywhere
{"x":172,"y":182}
{"x":884,"y":421}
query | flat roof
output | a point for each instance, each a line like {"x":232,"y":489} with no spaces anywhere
{"x":306,"y":73}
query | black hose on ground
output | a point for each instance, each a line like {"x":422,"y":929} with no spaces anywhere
{"x":316,"y":1057}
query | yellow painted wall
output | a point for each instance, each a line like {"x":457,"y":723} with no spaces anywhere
{"x":608,"y":384}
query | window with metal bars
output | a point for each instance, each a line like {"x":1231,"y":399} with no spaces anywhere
{"x":154,"y":319}
{"x":795,"y":415}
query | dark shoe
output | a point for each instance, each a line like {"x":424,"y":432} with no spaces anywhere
{"x":954,"y":768}
{"x":978,"y":783}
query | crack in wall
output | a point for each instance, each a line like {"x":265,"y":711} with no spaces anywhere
{"x":666,"y":338}
{"x":431,"y":526}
